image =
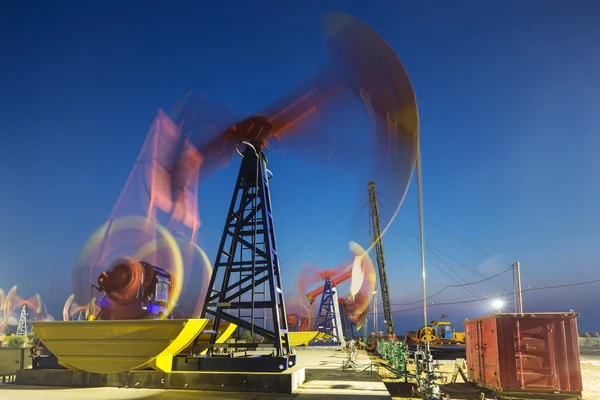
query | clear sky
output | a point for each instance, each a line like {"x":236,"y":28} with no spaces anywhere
{"x":508,"y":95}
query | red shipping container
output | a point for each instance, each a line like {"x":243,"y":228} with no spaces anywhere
{"x":526,"y":353}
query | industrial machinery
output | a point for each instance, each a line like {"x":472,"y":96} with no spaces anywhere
{"x":297,"y":323}
{"x":393,"y":352}
{"x":28,"y":310}
{"x":347,"y":325}
{"x":437,"y":333}
{"x":333,"y":319}
{"x":329,"y":321}
{"x":245,"y":287}
{"x":377,"y":240}
{"x":134,"y":290}
{"x":333,"y":282}
{"x":77,"y":312}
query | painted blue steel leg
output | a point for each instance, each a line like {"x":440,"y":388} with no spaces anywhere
{"x":346,"y":324}
{"x":326,"y":318}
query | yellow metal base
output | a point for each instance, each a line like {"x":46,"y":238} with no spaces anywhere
{"x":324,"y":336}
{"x":226,"y":330}
{"x":302,"y":338}
{"x":106,"y":347}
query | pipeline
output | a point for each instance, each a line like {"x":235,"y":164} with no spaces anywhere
{"x":393,"y":370}
{"x":396,"y":357}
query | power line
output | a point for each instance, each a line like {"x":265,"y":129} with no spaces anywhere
{"x":331,"y":245}
{"x":323,"y":230}
{"x":438,"y":267}
{"x":451,"y":269}
{"x":587,"y":306}
{"x":435,"y":249}
{"x":472,"y":291}
{"x":495,"y":297}
{"x":503,"y":295}
{"x":454,"y":236}
{"x":455,"y":285}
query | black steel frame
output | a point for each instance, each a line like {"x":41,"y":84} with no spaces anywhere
{"x":246,"y":277}
{"x":378,"y":239}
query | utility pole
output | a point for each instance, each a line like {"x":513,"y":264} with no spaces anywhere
{"x":377,"y":240}
{"x":375,"y":320}
{"x":517,"y":266}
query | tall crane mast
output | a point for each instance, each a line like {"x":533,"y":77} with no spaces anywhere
{"x":377,"y":239}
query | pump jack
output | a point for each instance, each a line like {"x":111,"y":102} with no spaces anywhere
{"x":332,"y":315}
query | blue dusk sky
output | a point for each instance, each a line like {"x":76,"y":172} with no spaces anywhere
{"x":509,"y":102}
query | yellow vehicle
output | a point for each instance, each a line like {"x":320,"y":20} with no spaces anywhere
{"x":437,"y":333}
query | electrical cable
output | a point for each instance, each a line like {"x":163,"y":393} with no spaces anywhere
{"x":504,"y":295}
{"x":453,"y":235}
{"x":323,"y":230}
{"x":454,"y":285}
{"x":379,"y":364}
{"x":585,"y":305}
{"x":372,"y":237}
{"x":331,"y":245}
{"x":492,"y":297}
{"x":337,"y":238}
{"x":474,"y":292}
{"x":480,"y":298}
{"x":435,"y":249}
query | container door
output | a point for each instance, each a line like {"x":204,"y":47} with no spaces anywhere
{"x":489,"y":352}
{"x":536,"y":364}
{"x":479,"y":348}
{"x":470,"y":342}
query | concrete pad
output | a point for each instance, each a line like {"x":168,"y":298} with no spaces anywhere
{"x":325,"y":377}
{"x":344,"y":389}
{"x":318,"y":348}
{"x":51,"y":393}
{"x":282,"y":382}
{"x":11,"y":392}
{"x":325,"y":358}
{"x":325,"y":380}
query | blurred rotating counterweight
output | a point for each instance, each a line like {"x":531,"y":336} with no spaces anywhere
{"x":363,"y":67}
{"x":205,"y":138}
